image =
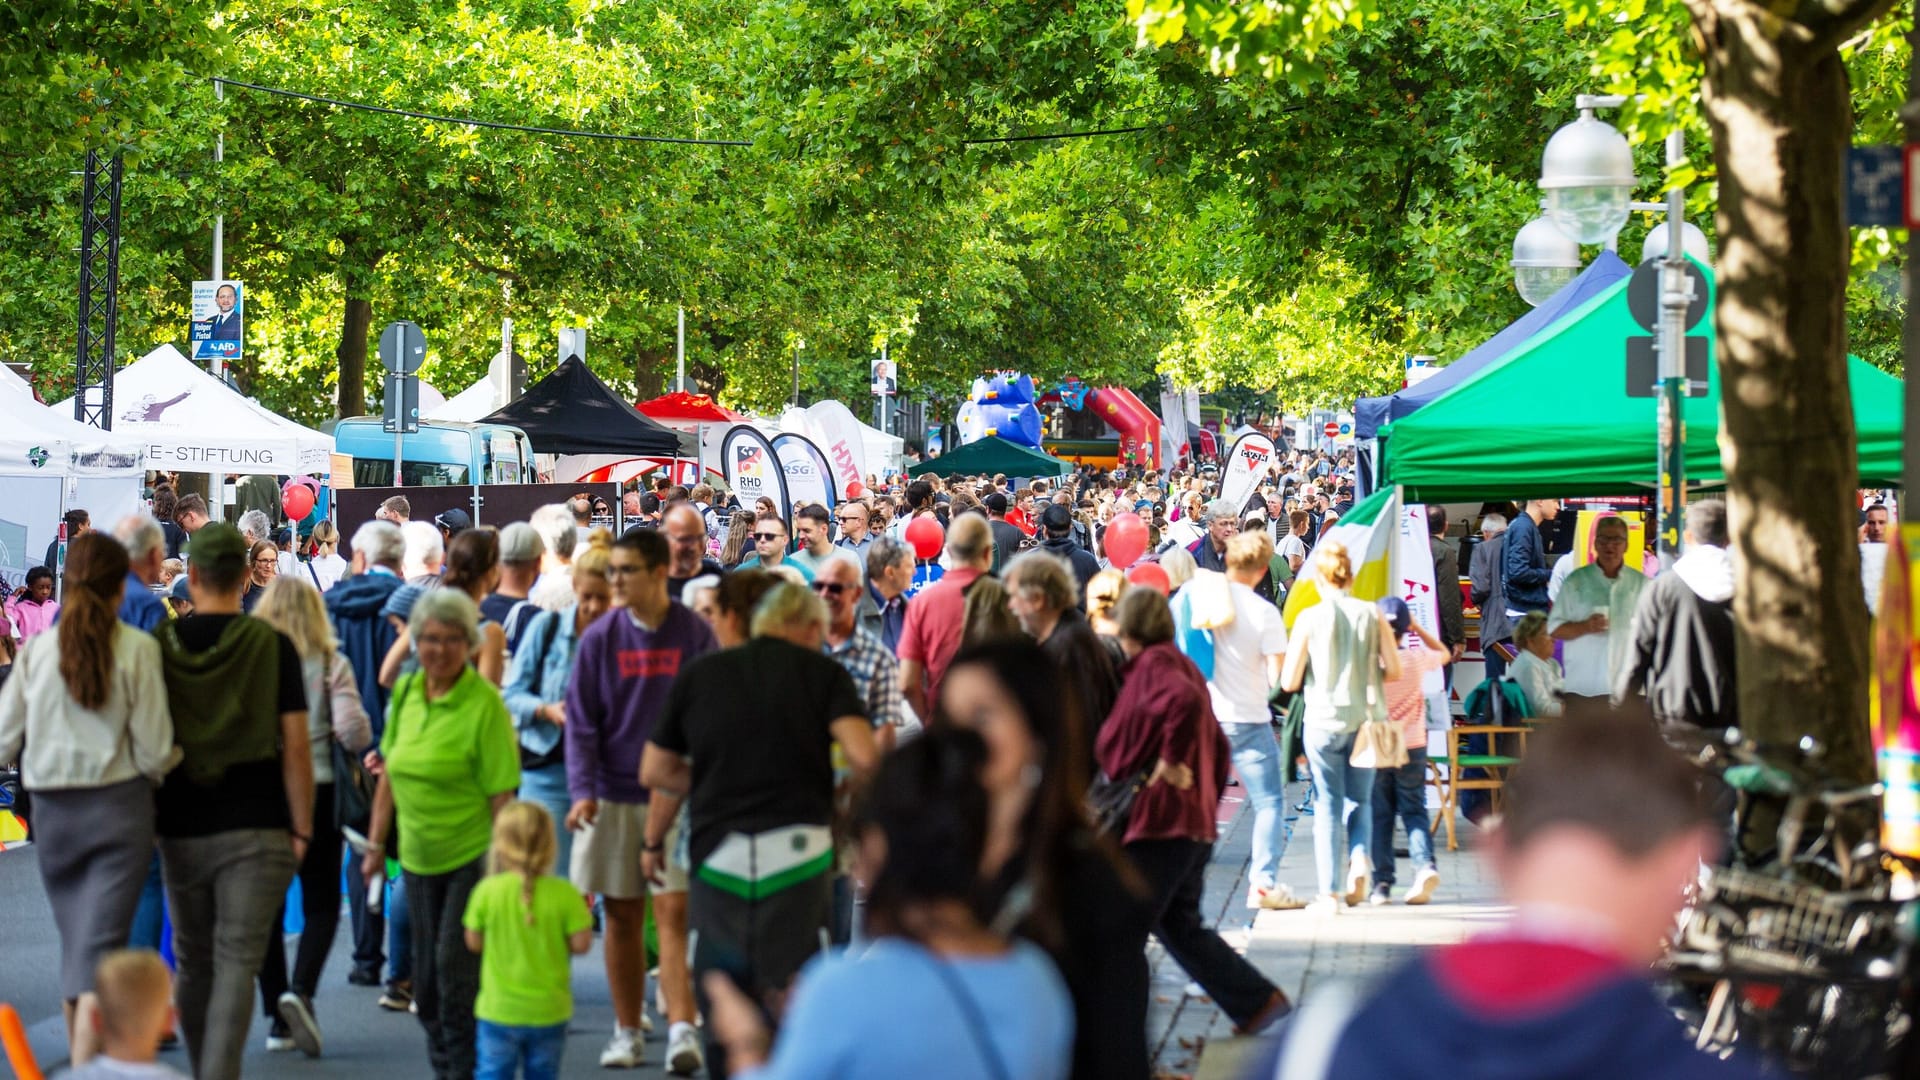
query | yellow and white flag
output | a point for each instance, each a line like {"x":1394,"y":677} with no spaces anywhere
{"x":1368,"y":531}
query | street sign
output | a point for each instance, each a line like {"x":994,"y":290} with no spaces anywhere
{"x":1331,"y":430}
{"x":403,"y":348}
{"x":1643,"y":367}
{"x":400,"y":411}
{"x":1643,"y":296}
{"x":1876,"y":186}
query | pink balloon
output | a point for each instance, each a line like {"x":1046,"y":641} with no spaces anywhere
{"x":297,"y":501}
{"x":926,"y":536}
{"x":1126,"y":539}
{"x":1151,"y":575}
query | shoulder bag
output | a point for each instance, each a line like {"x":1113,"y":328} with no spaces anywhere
{"x":352,"y":784}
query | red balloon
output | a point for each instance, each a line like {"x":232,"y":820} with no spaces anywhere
{"x":855,"y":489}
{"x":297,"y":501}
{"x":926,"y":536}
{"x":1151,"y":575}
{"x":1126,"y":539}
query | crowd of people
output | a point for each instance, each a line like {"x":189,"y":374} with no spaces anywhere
{"x":768,"y":736}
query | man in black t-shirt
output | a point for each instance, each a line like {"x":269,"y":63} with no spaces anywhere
{"x":746,"y":736}
{"x":1007,"y":536}
{"x":236,"y":816}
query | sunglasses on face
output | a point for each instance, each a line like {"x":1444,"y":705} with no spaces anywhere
{"x":831,"y":588}
{"x":769,"y":536}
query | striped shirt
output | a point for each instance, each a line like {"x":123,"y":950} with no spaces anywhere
{"x":1406,"y":702}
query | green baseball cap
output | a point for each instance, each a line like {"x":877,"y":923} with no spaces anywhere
{"x":217,"y":543}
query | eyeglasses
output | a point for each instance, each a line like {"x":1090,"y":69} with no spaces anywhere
{"x":266,"y":562}
{"x":831,"y":588}
{"x":769,"y":536}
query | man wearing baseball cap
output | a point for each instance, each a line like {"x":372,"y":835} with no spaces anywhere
{"x":235,"y":818}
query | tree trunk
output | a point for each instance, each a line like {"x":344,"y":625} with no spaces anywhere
{"x":1776,"y":98}
{"x":652,"y":373}
{"x":352,"y":354}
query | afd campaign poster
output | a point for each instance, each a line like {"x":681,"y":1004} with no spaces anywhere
{"x":219,"y":308}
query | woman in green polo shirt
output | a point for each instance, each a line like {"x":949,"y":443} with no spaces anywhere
{"x":451,"y":761}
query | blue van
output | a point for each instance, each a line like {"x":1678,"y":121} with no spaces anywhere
{"x":442,"y":453}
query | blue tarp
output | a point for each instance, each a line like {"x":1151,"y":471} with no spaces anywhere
{"x":1372,"y":414}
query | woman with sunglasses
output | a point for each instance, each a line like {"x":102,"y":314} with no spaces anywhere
{"x":263,"y":560}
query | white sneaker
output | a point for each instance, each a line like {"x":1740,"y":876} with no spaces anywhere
{"x":1278,"y":898}
{"x":684,"y":1057}
{"x":1359,"y":872}
{"x":1424,"y":883}
{"x":297,"y":1014}
{"x":623,"y":1050}
{"x":1328,"y":904}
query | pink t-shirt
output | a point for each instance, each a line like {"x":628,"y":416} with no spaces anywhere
{"x":1406,"y":704}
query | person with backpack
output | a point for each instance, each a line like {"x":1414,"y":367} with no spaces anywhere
{"x":338,"y":732}
{"x":520,"y":551}
{"x":537,"y":684}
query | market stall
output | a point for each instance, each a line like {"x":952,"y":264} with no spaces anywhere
{"x":1556,"y":417}
{"x":51,"y":463}
{"x":190,"y":421}
{"x":989,"y":456}
{"x":572,"y":412}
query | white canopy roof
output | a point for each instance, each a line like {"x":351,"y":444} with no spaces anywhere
{"x":192,"y":422}
{"x":36,"y":441}
{"x":11,"y":382}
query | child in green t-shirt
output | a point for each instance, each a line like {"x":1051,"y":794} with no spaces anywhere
{"x":526,"y":925}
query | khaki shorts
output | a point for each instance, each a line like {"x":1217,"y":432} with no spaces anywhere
{"x":606,"y":854}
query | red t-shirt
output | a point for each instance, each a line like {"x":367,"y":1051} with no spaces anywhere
{"x":935,"y":620}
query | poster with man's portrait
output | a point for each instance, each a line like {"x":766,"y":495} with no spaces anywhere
{"x":217,"y":315}
{"x":884,"y":383}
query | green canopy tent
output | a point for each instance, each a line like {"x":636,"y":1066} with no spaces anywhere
{"x":1553,"y":418}
{"x":992,"y":455}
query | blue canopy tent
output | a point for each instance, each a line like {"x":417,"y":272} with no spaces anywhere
{"x":1372,"y":414}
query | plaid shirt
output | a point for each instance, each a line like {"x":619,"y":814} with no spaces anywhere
{"x":876,"y":675}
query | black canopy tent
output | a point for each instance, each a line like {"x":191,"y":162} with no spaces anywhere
{"x":572,"y":412}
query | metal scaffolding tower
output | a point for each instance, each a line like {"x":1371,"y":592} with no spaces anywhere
{"x":99,"y":291}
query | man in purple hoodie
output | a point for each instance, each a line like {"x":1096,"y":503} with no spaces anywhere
{"x":1604,"y":827}
{"x":623,"y":667}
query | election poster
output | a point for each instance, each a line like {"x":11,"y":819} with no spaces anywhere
{"x":219,"y":309}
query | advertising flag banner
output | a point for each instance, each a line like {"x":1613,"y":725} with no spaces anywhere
{"x":752,"y":469}
{"x":1246,"y":466}
{"x":1368,"y":531}
{"x":809,"y":478}
{"x":843,"y":441}
{"x":218,"y":311}
{"x":1413,"y":577}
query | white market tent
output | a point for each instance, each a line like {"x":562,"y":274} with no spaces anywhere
{"x":190,"y":421}
{"x":12,"y":383}
{"x":50,"y":463}
{"x":886,"y":454}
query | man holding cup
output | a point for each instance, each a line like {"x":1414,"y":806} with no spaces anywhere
{"x":1594,"y":614}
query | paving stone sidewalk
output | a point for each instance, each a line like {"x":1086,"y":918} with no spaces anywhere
{"x":1297,"y":950}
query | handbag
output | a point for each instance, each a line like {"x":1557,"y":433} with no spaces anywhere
{"x":1378,"y":745}
{"x":1110,"y":801}
{"x":353,"y":785}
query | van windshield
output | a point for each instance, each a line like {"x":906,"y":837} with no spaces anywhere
{"x":378,"y":472}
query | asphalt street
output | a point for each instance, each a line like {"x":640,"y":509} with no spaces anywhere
{"x":361,"y":1039}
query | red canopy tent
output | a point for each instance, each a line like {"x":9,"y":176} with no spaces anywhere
{"x":687,"y":408}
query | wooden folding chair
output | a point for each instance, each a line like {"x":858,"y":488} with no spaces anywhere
{"x":1458,"y":760}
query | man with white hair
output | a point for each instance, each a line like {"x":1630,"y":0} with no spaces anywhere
{"x":146,"y":548}
{"x":425,"y":551}
{"x":254,"y":527}
{"x":1489,"y":593}
{"x":554,"y":589}
{"x":365,"y":635}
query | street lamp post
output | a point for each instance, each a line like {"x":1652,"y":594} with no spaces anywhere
{"x":1587,"y":176}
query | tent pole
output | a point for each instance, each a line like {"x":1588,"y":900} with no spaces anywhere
{"x":680,"y":351}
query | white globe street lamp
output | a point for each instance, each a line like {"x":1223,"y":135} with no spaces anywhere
{"x":1544,"y":260}
{"x":1692,"y":241}
{"x":1587,"y":174}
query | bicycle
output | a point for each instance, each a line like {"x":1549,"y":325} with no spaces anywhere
{"x":1798,"y":952}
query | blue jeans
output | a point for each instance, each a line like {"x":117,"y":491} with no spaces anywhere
{"x":1403,"y":791}
{"x":149,"y":919}
{"x":548,"y":787}
{"x":1256,"y":757}
{"x":1343,"y":798}
{"x":505,"y":1050}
